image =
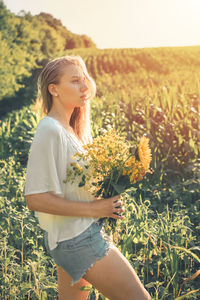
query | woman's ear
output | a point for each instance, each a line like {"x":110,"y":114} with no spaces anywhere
{"x":52,"y":89}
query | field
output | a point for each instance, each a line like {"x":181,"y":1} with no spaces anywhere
{"x":152,"y":91}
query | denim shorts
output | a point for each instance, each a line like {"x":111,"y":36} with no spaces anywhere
{"x":78,"y":254}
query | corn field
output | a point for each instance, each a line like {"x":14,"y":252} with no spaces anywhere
{"x":155,"y":92}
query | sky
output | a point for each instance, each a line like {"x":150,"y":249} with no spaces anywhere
{"x":123,"y":23}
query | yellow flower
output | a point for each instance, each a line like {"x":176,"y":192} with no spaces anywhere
{"x":132,"y":178}
{"x":124,"y":172}
{"x":79,"y":167}
{"x":144,"y":152}
{"x":106,"y":158}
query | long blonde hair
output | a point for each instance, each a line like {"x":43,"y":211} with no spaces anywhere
{"x":51,"y":73}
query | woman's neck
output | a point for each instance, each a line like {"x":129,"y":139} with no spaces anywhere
{"x":69,"y":128}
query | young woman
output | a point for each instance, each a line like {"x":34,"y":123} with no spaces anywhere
{"x":70,"y":216}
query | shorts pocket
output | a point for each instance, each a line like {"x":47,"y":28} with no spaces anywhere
{"x":99,"y":247}
{"x":67,"y":245}
{"x":78,"y":242}
{"x":83,"y":241}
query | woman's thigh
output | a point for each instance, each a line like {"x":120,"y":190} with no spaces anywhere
{"x":66,"y":291}
{"x":115,"y":278}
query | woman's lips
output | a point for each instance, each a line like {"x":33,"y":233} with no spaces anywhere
{"x":85,"y":97}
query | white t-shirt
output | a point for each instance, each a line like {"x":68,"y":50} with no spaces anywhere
{"x":50,"y":154}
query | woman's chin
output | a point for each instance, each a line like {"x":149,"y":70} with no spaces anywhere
{"x":83,"y":102}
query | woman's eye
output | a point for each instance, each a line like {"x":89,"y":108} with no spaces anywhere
{"x":75,"y":80}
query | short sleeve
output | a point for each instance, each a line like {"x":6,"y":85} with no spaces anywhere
{"x":46,"y":161}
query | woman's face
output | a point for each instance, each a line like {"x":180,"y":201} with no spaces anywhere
{"x":71,"y":87}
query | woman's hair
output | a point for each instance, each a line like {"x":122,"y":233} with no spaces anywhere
{"x":51,"y":73}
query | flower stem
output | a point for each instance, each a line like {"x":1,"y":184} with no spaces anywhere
{"x":107,"y":192}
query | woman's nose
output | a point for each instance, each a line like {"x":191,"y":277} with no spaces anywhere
{"x":84,"y":86}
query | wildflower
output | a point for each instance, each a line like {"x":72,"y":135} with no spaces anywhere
{"x":107,"y":167}
{"x":79,"y":167}
{"x":144,"y":152}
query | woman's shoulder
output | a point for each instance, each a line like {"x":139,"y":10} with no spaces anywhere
{"x":48,"y":125}
{"x":47,"y":129}
{"x":50,"y":128}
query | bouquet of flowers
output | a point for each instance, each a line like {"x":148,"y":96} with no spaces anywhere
{"x":110,"y":165}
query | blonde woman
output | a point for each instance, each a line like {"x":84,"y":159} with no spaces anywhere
{"x":70,"y":216}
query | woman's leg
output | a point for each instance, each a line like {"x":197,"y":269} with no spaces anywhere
{"x":66,"y":291}
{"x":115,"y":278}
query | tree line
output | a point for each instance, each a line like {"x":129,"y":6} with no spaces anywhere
{"x":26,"y":41}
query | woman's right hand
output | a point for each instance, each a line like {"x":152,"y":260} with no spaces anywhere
{"x":108,"y":207}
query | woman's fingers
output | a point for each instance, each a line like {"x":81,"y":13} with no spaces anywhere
{"x":122,"y":209}
{"x":116,"y":204}
{"x":112,"y":207}
{"x":119,"y":209}
{"x":115,"y":198}
{"x":114,"y":216}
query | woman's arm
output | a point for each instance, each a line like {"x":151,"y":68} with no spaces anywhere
{"x":56,"y":205}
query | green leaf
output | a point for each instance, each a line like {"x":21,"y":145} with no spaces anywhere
{"x":124,"y":180}
{"x":81,"y":184}
{"x":86,"y":288}
{"x":187,"y":295}
{"x":99,"y":192}
{"x":119,"y":188}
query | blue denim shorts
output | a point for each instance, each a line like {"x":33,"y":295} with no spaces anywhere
{"x":78,"y":254}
